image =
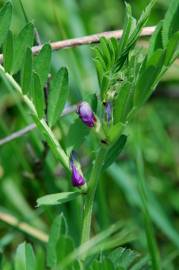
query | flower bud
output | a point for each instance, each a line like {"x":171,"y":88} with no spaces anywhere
{"x":108,"y":110}
{"x":86,"y":114}
{"x":78,"y":179}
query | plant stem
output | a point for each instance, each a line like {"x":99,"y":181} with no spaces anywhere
{"x":89,"y":199}
{"x":41,"y":123}
{"x":152,"y":244}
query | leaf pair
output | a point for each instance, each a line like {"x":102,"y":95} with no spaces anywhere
{"x":14,"y":49}
{"x":58,"y":94}
{"x":25,"y":258}
{"x":34,"y":76}
{"x":60,"y":244}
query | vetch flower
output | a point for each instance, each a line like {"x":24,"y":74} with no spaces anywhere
{"x":86,"y":114}
{"x":78,"y":179}
{"x":108,"y":110}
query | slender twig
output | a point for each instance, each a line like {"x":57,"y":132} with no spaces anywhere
{"x":13,"y":221}
{"x":27,"y":129}
{"x":86,"y":40}
{"x":41,"y":123}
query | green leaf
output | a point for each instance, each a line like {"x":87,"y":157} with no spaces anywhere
{"x":126,"y":29}
{"x":114,"y":151}
{"x":38,"y":95}
{"x":59,"y":227}
{"x":100,"y":56}
{"x":42,"y":63}
{"x":123,"y":103}
{"x":64,"y":247}
{"x":5,"y":21}
{"x":141,"y":264}
{"x":25,"y":258}
{"x":156,"y":40}
{"x":76,"y":135}
{"x":171,"y":22}
{"x":140,"y":24}
{"x":59,"y":91}
{"x":57,"y":198}
{"x":149,"y":77}
{"x":26,"y":72}
{"x":105,"y":264}
{"x":104,"y":85}
{"x":122,"y":257}
{"x":113,"y":132}
{"x":102,"y":241}
{"x":24,"y":40}
{"x":172,"y":49}
{"x":8,"y":52}
{"x":105,"y":49}
{"x":100,"y":70}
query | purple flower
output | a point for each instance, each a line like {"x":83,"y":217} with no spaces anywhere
{"x":77,"y":176}
{"x":86,"y":114}
{"x":108,"y":110}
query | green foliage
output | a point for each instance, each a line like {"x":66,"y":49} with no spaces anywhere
{"x":41,"y":63}
{"x":5,"y":21}
{"x":145,"y":84}
{"x":59,"y":91}
{"x":38,"y":95}
{"x":114,"y":151}
{"x":76,"y":135}
{"x":123,"y":258}
{"x":25,"y":258}
{"x":122,"y":104}
{"x":171,"y":24}
{"x":127,"y":76}
{"x":26,"y":72}
{"x":111,"y":57}
{"x":58,"y":198}
{"x":24,"y":40}
{"x":8,"y":52}
{"x":59,"y":228}
{"x":156,"y":40}
{"x":103,"y":264}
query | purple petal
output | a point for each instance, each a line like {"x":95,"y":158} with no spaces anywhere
{"x":77,"y":179}
{"x":86,"y":114}
{"x":108,"y":109}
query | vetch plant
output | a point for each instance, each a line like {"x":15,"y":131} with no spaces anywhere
{"x":78,"y":179}
{"x":127,"y":77}
{"x":86,"y":114}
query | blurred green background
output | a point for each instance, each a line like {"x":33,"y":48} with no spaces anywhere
{"x":23,"y":178}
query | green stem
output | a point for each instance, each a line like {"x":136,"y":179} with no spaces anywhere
{"x":41,"y":124}
{"x":152,"y":244}
{"x":89,"y":199}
